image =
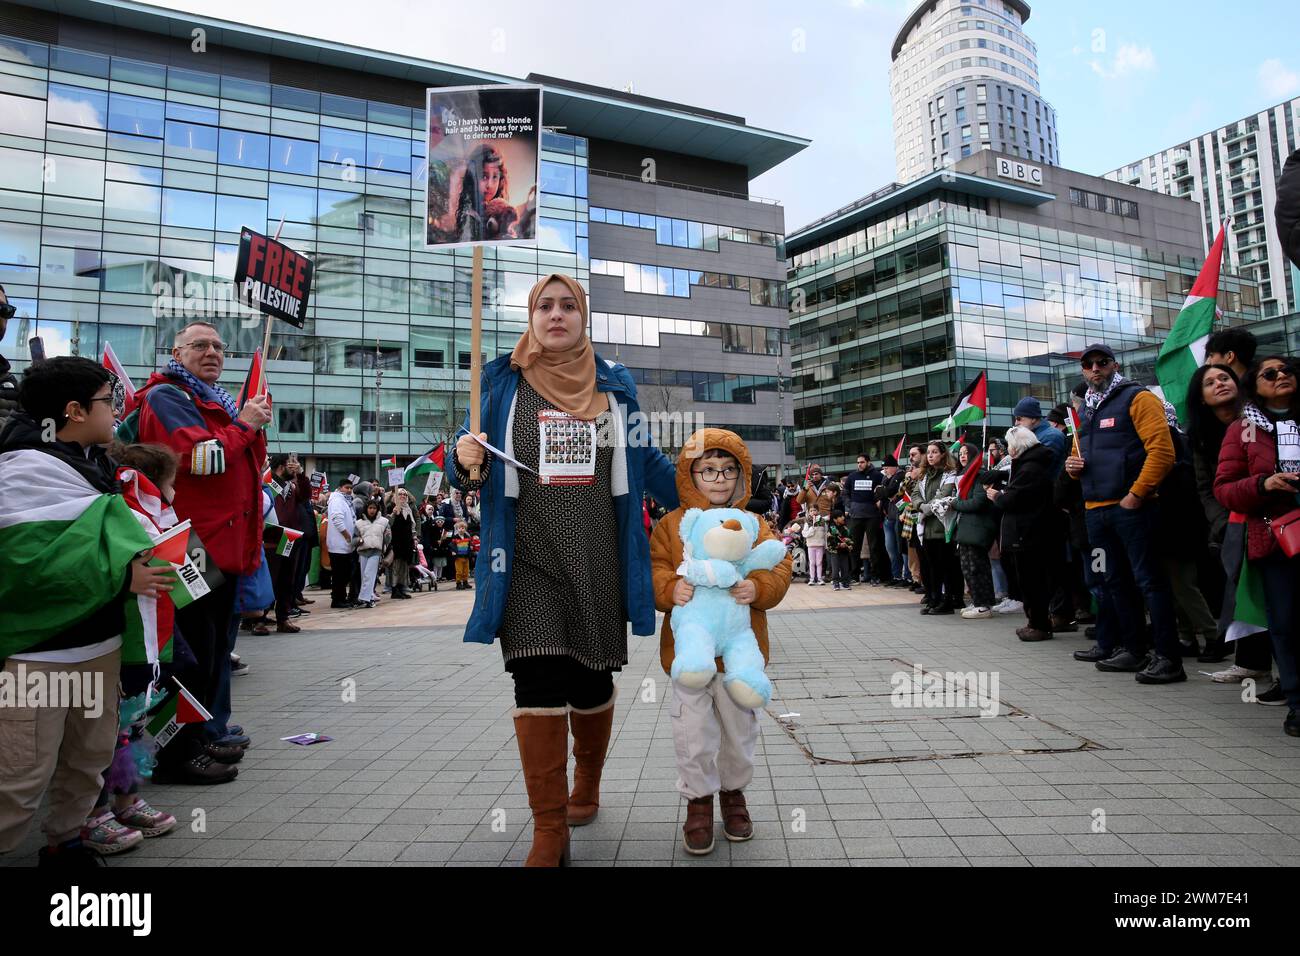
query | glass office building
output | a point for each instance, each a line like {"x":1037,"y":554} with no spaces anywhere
{"x":899,"y":301}
{"x":129,"y":161}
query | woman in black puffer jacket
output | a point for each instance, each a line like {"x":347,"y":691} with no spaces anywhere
{"x":1026,"y":531}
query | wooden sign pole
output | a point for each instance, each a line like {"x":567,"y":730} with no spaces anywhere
{"x":475,"y":347}
{"x":266,"y":336}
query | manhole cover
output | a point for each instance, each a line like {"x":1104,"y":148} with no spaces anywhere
{"x":888,"y":710}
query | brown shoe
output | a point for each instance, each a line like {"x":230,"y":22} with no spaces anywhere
{"x":1063,"y":625}
{"x":287,"y":628}
{"x":543,"y":737}
{"x":1033,"y":634}
{"x":697,"y":834}
{"x":302,"y":602}
{"x":736,"y":824}
{"x":591,"y":729}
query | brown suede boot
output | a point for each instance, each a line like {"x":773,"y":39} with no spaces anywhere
{"x":591,"y":729}
{"x":736,"y":824}
{"x":697,"y":833}
{"x":543,"y":735}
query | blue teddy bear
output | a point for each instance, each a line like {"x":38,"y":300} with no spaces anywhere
{"x":718,"y":552}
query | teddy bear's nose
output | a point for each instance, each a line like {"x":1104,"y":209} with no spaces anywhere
{"x":731,"y":524}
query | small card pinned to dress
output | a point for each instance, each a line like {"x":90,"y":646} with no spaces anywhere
{"x":306,"y":740}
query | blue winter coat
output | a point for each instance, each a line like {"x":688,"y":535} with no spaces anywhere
{"x":648,"y":470}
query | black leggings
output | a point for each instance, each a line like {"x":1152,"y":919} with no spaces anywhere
{"x":553,"y":681}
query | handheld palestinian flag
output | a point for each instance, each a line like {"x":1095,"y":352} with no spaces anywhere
{"x":955,"y":447}
{"x":170,"y":551}
{"x":1248,"y":611}
{"x":1184,"y":350}
{"x":967,"y":481}
{"x":65,"y":548}
{"x":1072,"y":429}
{"x":389,"y":462}
{"x":435,"y":460}
{"x":898,"y":452}
{"x":123,"y":390}
{"x":147,"y":635}
{"x":287,"y":538}
{"x":971,"y":405}
{"x":178,"y":709}
{"x":255,"y":382}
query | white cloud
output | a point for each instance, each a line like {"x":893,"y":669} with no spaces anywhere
{"x":1130,"y":58}
{"x":1276,"y":80}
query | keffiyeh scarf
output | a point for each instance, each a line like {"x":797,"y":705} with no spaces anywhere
{"x":1092,"y":400}
{"x":209,"y":393}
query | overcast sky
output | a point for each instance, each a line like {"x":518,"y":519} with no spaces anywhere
{"x":1127,"y":77}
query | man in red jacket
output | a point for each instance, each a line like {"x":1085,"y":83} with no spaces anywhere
{"x":219,"y":489}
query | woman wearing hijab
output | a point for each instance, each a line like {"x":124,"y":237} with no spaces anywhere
{"x":565,"y":560}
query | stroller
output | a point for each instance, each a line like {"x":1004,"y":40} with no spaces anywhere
{"x":794,"y":543}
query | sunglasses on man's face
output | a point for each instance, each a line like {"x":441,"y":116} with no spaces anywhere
{"x":1095,"y":364}
{"x":1273,"y":373}
{"x":8,"y":310}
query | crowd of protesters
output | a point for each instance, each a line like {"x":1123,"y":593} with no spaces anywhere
{"x":1136,"y":527}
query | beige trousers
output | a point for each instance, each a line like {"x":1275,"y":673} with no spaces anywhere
{"x":56,"y":747}
{"x":714,"y":738}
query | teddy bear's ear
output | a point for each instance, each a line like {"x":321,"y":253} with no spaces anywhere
{"x":688,"y":522}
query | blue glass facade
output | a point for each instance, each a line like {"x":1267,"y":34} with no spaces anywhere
{"x":123,"y":186}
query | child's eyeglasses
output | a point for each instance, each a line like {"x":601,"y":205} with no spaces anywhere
{"x":713,"y":474}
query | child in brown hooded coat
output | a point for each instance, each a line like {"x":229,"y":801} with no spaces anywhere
{"x":714,"y":737}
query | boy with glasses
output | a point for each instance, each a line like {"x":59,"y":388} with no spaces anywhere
{"x":71,"y":554}
{"x":713,"y":735}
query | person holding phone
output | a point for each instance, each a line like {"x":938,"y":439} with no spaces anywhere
{"x":1259,"y":477}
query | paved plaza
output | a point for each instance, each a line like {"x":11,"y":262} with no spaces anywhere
{"x":1077,"y":767}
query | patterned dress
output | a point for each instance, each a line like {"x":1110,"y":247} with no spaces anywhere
{"x":566,"y":593}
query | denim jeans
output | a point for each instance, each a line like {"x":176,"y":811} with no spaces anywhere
{"x":999,"y":577}
{"x":1281,"y":579}
{"x":1130,"y":535}
{"x":896,"y":548}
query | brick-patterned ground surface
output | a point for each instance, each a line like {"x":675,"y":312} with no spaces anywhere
{"x":1078,"y":767}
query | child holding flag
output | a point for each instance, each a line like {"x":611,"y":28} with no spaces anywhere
{"x":63,"y":521}
{"x":147,"y":474}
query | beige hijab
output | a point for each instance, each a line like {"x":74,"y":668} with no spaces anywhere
{"x":566,"y":379}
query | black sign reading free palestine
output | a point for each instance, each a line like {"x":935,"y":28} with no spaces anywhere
{"x":272,"y":278}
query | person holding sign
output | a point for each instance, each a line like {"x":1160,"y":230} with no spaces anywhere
{"x":565,"y":560}
{"x":218,"y":488}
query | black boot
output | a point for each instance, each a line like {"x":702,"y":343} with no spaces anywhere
{"x":1162,"y":670}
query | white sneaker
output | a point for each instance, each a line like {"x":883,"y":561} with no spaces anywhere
{"x":976,"y":613}
{"x":1009,"y":607}
{"x":1235,"y":675}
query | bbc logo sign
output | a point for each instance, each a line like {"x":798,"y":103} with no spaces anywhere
{"x":1010,"y":169}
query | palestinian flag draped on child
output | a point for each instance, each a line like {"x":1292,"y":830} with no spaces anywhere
{"x":82,"y":540}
